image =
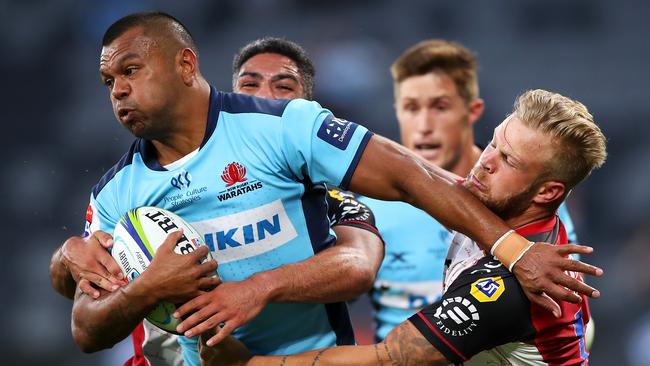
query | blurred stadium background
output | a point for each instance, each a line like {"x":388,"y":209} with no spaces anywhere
{"x":61,"y":136}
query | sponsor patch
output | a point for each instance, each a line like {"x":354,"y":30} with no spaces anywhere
{"x":488,"y":289}
{"x":181,"y":180}
{"x":247,"y":233}
{"x":336,"y":132}
{"x":456,"y":317}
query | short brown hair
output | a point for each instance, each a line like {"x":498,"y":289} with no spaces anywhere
{"x":580,"y":142}
{"x":436,"y":55}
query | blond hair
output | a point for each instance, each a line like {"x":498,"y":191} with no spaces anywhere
{"x":580,"y":142}
{"x":442,"y":56}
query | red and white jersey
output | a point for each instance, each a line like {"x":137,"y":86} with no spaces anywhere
{"x":154,"y":347}
{"x":484,"y":318}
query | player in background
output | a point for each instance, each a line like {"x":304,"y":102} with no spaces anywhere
{"x":542,"y":150}
{"x":437,"y":104}
{"x":157,"y":54}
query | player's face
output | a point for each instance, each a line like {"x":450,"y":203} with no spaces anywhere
{"x":270,"y":75}
{"x":435,"y":122}
{"x":509,"y":172}
{"x":142,"y":84}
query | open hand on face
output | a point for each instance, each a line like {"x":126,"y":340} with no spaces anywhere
{"x":543,"y":277}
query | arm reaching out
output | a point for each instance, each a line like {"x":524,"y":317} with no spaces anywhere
{"x":391,"y":172}
{"x":404,"y":345}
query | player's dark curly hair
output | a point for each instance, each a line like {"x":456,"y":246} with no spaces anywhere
{"x":156,"y":22}
{"x":282,"y":47}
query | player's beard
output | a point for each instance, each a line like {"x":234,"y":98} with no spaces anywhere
{"x":513,"y":205}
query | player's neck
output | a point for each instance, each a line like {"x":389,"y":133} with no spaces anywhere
{"x":532,"y":214}
{"x":469,"y":157}
{"x":189,"y":133}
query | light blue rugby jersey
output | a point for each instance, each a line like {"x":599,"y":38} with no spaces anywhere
{"x":410,"y":276}
{"x":251,"y":191}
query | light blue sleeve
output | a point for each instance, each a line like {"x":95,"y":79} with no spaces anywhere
{"x":563,"y":212}
{"x":101,"y":214}
{"x":190,"y":350}
{"x":320,"y":146}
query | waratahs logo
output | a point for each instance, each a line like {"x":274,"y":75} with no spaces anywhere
{"x":234,"y":173}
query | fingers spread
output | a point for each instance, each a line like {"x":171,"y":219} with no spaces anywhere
{"x":561,"y":293}
{"x":171,"y":240}
{"x":105,"y":239}
{"x":578,"y":266}
{"x":222,"y":333}
{"x":216,"y":320}
{"x":114,"y":273}
{"x":100,"y":281}
{"x":209,"y":283}
{"x":577,"y":286}
{"x":574,"y":249}
{"x":88,"y":289}
{"x":546,"y":302}
{"x":190,"y":306}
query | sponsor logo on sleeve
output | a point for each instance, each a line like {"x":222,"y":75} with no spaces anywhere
{"x":456,"y":317}
{"x":336,"y":132}
{"x":488,"y":289}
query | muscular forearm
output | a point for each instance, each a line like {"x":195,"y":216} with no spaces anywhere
{"x":403,"y":176}
{"x":61,"y":277}
{"x":342,"y":272}
{"x":99,"y":324}
{"x":403,"y":346}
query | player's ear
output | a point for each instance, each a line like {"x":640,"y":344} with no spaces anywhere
{"x":549,"y":192}
{"x":188,"y":65}
{"x":476,"y":108}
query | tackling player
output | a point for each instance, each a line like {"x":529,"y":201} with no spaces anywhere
{"x":537,"y":155}
{"x":437,"y":104}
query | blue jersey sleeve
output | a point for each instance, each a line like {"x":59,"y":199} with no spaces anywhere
{"x":102,"y":213}
{"x":320,"y":146}
{"x":563,"y":213}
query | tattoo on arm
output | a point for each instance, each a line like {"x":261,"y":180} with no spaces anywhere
{"x":411,"y":347}
{"x":317,"y":356}
{"x":283,"y":360}
{"x":390,"y":357}
{"x":379,"y":360}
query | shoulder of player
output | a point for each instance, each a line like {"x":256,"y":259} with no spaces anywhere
{"x":125,"y":161}
{"x":235,"y":103}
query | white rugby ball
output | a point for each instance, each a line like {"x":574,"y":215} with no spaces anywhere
{"x":137,"y":236}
